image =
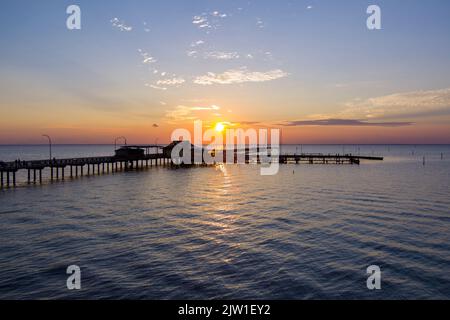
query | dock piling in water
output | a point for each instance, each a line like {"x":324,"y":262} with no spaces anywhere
{"x":146,"y":160}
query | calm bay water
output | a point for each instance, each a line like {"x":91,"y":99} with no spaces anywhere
{"x":227,"y":232}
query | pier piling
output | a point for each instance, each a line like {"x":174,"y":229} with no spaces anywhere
{"x":144,"y":160}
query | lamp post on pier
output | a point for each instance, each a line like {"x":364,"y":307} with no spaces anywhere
{"x":49,"y":145}
{"x":118,"y":138}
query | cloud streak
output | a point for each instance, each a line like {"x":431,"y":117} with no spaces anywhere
{"x":221,"y":55}
{"x":400,"y":104}
{"x":146,"y":57}
{"x":344,"y":123}
{"x":208,"y":21}
{"x":155,"y":87}
{"x":116,"y":23}
{"x":242,"y":75}
{"x":380,"y":111}
{"x":170,"y":82}
{"x":182,"y":113}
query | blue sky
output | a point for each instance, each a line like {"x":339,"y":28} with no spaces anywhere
{"x":137,"y":63}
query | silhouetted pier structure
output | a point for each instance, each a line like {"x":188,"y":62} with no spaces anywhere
{"x":326,"y":159}
{"x":81,"y":166}
{"x":253,"y":155}
{"x":139,"y":157}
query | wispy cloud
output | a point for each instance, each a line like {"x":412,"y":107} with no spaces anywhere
{"x":343,"y":123}
{"x":171,"y":82}
{"x":198,"y":20}
{"x":218,"y":14}
{"x":399,"y":104}
{"x":202,"y":22}
{"x":179,"y":113}
{"x":213,"y":107}
{"x":241,"y":75}
{"x":117,"y":23}
{"x":209,"y":21}
{"x":146,"y":28}
{"x":380,"y":111}
{"x":197,"y":43}
{"x":155,"y":87}
{"x":192,"y":53}
{"x":146,"y":57}
{"x":183,"y":113}
{"x":260,"y":23}
{"x":221,"y":55}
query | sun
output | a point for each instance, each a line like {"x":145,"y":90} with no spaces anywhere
{"x":219,"y":127}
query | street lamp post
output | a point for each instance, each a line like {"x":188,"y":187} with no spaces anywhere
{"x":156,"y":145}
{"x":118,"y":138}
{"x":49,"y":145}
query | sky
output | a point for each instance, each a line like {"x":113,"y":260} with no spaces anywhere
{"x":141,"y":69}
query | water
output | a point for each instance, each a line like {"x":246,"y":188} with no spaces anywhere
{"x":227,"y":232}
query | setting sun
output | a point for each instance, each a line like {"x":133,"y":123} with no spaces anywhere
{"x":219,"y":127}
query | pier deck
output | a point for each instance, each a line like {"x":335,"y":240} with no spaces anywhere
{"x":326,"y":159}
{"x":102,"y":165}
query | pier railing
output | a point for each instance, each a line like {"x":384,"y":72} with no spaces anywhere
{"x":107,"y":164}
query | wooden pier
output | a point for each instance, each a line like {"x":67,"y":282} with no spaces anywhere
{"x":60,"y":169}
{"x":326,"y":159}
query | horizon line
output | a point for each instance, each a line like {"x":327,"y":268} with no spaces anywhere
{"x":283,"y":144}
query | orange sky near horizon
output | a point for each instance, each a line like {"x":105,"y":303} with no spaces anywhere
{"x":414,"y":134}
